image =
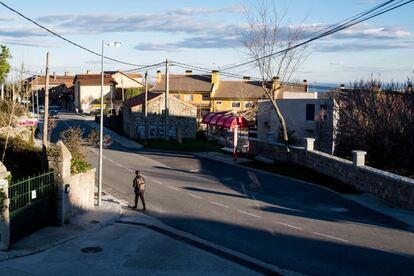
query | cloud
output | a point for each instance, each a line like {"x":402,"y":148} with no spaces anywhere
{"x":29,"y":42}
{"x":359,"y":46}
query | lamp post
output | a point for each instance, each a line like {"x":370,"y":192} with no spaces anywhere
{"x":115,"y":44}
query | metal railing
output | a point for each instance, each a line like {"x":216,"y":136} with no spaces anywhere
{"x":27,"y":190}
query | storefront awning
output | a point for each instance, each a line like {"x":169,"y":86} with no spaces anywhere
{"x":225,"y":121}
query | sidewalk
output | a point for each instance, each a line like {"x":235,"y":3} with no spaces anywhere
{"x":51,"y":236}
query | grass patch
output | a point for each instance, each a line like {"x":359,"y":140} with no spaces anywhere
{"x":305,"y":174}
{"x":189,"y":145}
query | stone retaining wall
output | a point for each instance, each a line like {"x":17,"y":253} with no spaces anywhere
{"x":396,"y":189}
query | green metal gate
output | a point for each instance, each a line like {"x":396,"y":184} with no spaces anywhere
{"x":31,"y":205}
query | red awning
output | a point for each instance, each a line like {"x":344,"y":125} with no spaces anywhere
{"x":222,"y":120}
{"x":207,"y":118}
{"x":227,"y":121}
{"x":215,"y":119}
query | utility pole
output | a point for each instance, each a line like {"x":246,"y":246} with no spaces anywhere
{"x":167,"y":90}
{"x":46,"y":114}
{"x":2,"y":91}
{"x":145,"y":109}
{"x":37,"y":100}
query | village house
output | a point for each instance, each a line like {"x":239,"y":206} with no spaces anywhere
{"x":87,"y":90}
{"x":60,"y":88}
{"x":313,"y":117}
{"x":211,"y":94}
{"x":181,"y":120}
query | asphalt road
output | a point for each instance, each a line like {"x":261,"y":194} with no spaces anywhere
{"x":281,"y":221}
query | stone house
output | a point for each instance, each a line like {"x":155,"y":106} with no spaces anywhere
{"x":87,"y":90}
{"x":312,"y":117}
{"x":182,"y":117}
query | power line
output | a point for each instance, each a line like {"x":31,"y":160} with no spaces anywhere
{"x":66,"y":39}
{"x":329,"y":32}
{"x":347,"y":20}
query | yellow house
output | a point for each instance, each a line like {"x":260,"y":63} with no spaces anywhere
{"x":209,"y":94}
{"x":192,"y":89}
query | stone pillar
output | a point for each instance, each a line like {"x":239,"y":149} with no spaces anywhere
{"x":4,"y":211}
{"x":59,"y":159}
{"x":309,"y":144}
{"x":179,"y":135}
{"x":358,"y":158}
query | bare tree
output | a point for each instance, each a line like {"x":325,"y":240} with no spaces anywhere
{"x":378,"y":118}
{"x":267,"y":34}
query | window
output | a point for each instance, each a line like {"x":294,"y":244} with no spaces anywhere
{"x":206,"y":97}
{"x":323,"y":112}
{"x":218,"y":102}
{"x":310,"y":112}
{"x":188,"y":98}
{"x":235,"y":104}
{"x":249,"y":105}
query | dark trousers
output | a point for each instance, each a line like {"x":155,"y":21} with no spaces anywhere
{"x":141,"y":195}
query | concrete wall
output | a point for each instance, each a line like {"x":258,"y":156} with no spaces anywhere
{"x":322,"y":127}
{"x":127,"y":82}
{"x":74,"y":193}
{"x":396,"y":189}
{"x":81,"y":196}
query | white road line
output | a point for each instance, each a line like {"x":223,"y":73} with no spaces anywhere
{"x":110,"y":160}
{"x":219,"y":204}
{"x":190,"y":194}
{"x":119,"y":165}
{"x":156,"y":181}
{"x":330,"y":237}
{"x":288,"y":225}
{"x":249,"y":214}
{"x":173,"y":188}
{"x":128,"y":169}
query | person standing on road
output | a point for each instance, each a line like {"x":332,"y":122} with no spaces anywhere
{"x":139,"y":188}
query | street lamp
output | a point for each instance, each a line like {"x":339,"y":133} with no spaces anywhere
{"x":113,"y":44}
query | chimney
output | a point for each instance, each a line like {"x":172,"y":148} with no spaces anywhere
{"x":54,"y":75}
{"x":159,"y":76}
{"x":246,"y":78}
{"x":409,"y":88}
{"x":275,"y":83}
{"x":305,"y":84}
{"x":215,"y":78}
{"x":188,"y":72}
{"x":67,"y":73}
{"x":88,"y":71}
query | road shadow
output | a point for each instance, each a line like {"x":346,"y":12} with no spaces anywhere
{"x":310,"y":254}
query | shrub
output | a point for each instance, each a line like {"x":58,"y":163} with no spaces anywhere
{"x":73,"y":139}
{"x":79,"y":166}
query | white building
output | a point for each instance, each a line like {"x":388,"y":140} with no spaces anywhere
{"x":87,"y":90}
{"x":308,"y":116}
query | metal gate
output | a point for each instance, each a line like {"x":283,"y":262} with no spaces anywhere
{"x":31,"y":205}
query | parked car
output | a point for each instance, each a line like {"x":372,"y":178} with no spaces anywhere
{"x":53,"y":114}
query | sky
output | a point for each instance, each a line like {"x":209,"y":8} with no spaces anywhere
{"x":206,"y":34}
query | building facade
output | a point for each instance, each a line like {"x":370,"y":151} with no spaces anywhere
{"x":181,"y":120}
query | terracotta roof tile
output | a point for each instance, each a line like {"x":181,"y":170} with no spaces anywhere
{"x":186,"y":83}
{"x":93,"y":79}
